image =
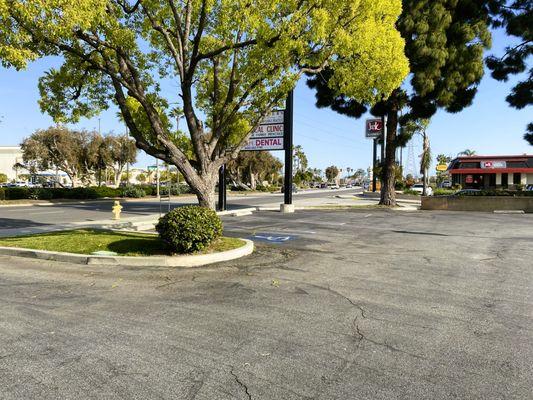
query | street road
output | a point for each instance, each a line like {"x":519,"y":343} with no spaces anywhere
{"x":358,"y":304}
{"x":61,"y":213}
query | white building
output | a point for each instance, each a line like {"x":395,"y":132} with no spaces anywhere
{"x":9,"y":156}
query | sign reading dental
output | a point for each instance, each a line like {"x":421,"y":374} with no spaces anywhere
{"x":269,"y":133}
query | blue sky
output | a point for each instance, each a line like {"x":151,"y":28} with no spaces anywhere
{"x":489,"y":126}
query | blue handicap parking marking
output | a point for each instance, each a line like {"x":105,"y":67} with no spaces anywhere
{"x":272,"y":238}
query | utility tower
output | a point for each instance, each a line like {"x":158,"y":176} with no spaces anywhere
{"x":411,"y":162}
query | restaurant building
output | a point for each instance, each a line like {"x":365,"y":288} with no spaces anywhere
{"x":492,"y":172}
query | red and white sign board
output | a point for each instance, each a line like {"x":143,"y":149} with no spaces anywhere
{"x":269,"y":133}
{"x":273,"y":130}
{"x":469,"y":179}
{"x":493,"y":164}
{"x":374,"y":128}
{"x":275,"y":143}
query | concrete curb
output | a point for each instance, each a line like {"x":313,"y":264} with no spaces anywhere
{"x":184,"y":261}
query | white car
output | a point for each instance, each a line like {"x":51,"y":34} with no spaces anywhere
{"x":333,"y":186}
{"x":418,"y":187}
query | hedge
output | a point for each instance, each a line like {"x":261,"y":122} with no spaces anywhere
{"x":79,"y":193}
{"x":508,"y":193}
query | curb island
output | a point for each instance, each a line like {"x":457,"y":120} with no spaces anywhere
{"x":183,"y":261}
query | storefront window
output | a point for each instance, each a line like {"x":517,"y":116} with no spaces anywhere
{"x":516,"y":179}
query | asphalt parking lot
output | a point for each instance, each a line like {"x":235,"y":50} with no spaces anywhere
{"x":346,"y":304}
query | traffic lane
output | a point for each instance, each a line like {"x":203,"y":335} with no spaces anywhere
{"x":99,"y":210}
{"x":374,"y":312}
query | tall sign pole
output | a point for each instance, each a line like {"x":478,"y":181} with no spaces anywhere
{"x":374,"y":162}
{"x":287,"y":205}
{"x":374,"y":130}
{"x":382,"y":139}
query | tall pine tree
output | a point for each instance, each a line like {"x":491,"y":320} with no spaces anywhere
{"x":445,"y":40}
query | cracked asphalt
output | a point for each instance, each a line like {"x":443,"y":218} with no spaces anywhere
{"x":350,"y":304}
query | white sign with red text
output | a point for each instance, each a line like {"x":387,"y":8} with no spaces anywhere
{"x":273,"y":130}
{"x":275,"y":143}
{"x":269,"y":133}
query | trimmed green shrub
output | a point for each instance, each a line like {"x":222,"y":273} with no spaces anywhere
{"x":17,"y":193}
{"x":41,"y":194}
{"x":148,"y":189}
{"x":400,"y":185}
{"x":133,"y":191}
{"x":508,"y":193}
{"x":443,"y":192}
{"x":2,"y":194}
{"x":411,"y":191}
{"x":190,"y":228}
{"x":106,"y":191}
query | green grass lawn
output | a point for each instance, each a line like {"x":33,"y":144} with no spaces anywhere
{"x":87,"y":241}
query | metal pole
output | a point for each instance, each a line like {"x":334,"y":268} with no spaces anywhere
{"x":287,"y":143}
{"x":374,"y":155}
{"x":382,"y":139}
{"x":157,"y":177}
{"x":222,"y":188}
{"x":169,"y":185}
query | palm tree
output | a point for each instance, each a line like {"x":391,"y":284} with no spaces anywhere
{"x":467,"y":152}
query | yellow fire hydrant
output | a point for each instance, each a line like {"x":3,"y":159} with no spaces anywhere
{"x":117,"y":208}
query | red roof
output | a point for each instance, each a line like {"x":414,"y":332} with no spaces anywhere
{"x":521,"y":157}
{"x":490,"y":170}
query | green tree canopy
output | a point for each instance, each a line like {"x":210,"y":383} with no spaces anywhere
{"x":233,"y":61}
{"x":444,"y":44}
{"x":332,"y":172}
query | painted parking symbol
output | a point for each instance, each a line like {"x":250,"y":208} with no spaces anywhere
{"x":266,"y":237}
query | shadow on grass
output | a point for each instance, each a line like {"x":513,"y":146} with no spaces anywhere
{"x":144,"y":246}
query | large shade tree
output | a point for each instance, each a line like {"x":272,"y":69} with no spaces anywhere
{"x":444,"y":44}
{"x":230,"y":62}
{"x":62,"y":149}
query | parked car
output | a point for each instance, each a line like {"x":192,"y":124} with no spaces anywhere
{"x":419,"y":187}
{"x":349,"y":186}
{"x":333,"y":186}
{"x":18,"y":184}
{"x":529,"y":188}
{"x":446,"y":184}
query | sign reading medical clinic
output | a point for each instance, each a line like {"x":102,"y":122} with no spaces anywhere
{"x":269,"y":133}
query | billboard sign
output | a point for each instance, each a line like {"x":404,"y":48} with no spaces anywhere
{"x":269,"y":133}
{"x":374,"y":128}
{"x":493,"y":164}
{"x":441,"y":167}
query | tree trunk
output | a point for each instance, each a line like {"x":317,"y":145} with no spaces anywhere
{"x":203,"y":186}
{"x":116,"y":177}
{"x":207,"y":199}
{"x":388,"y":174}
{"x":252,"y":178}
